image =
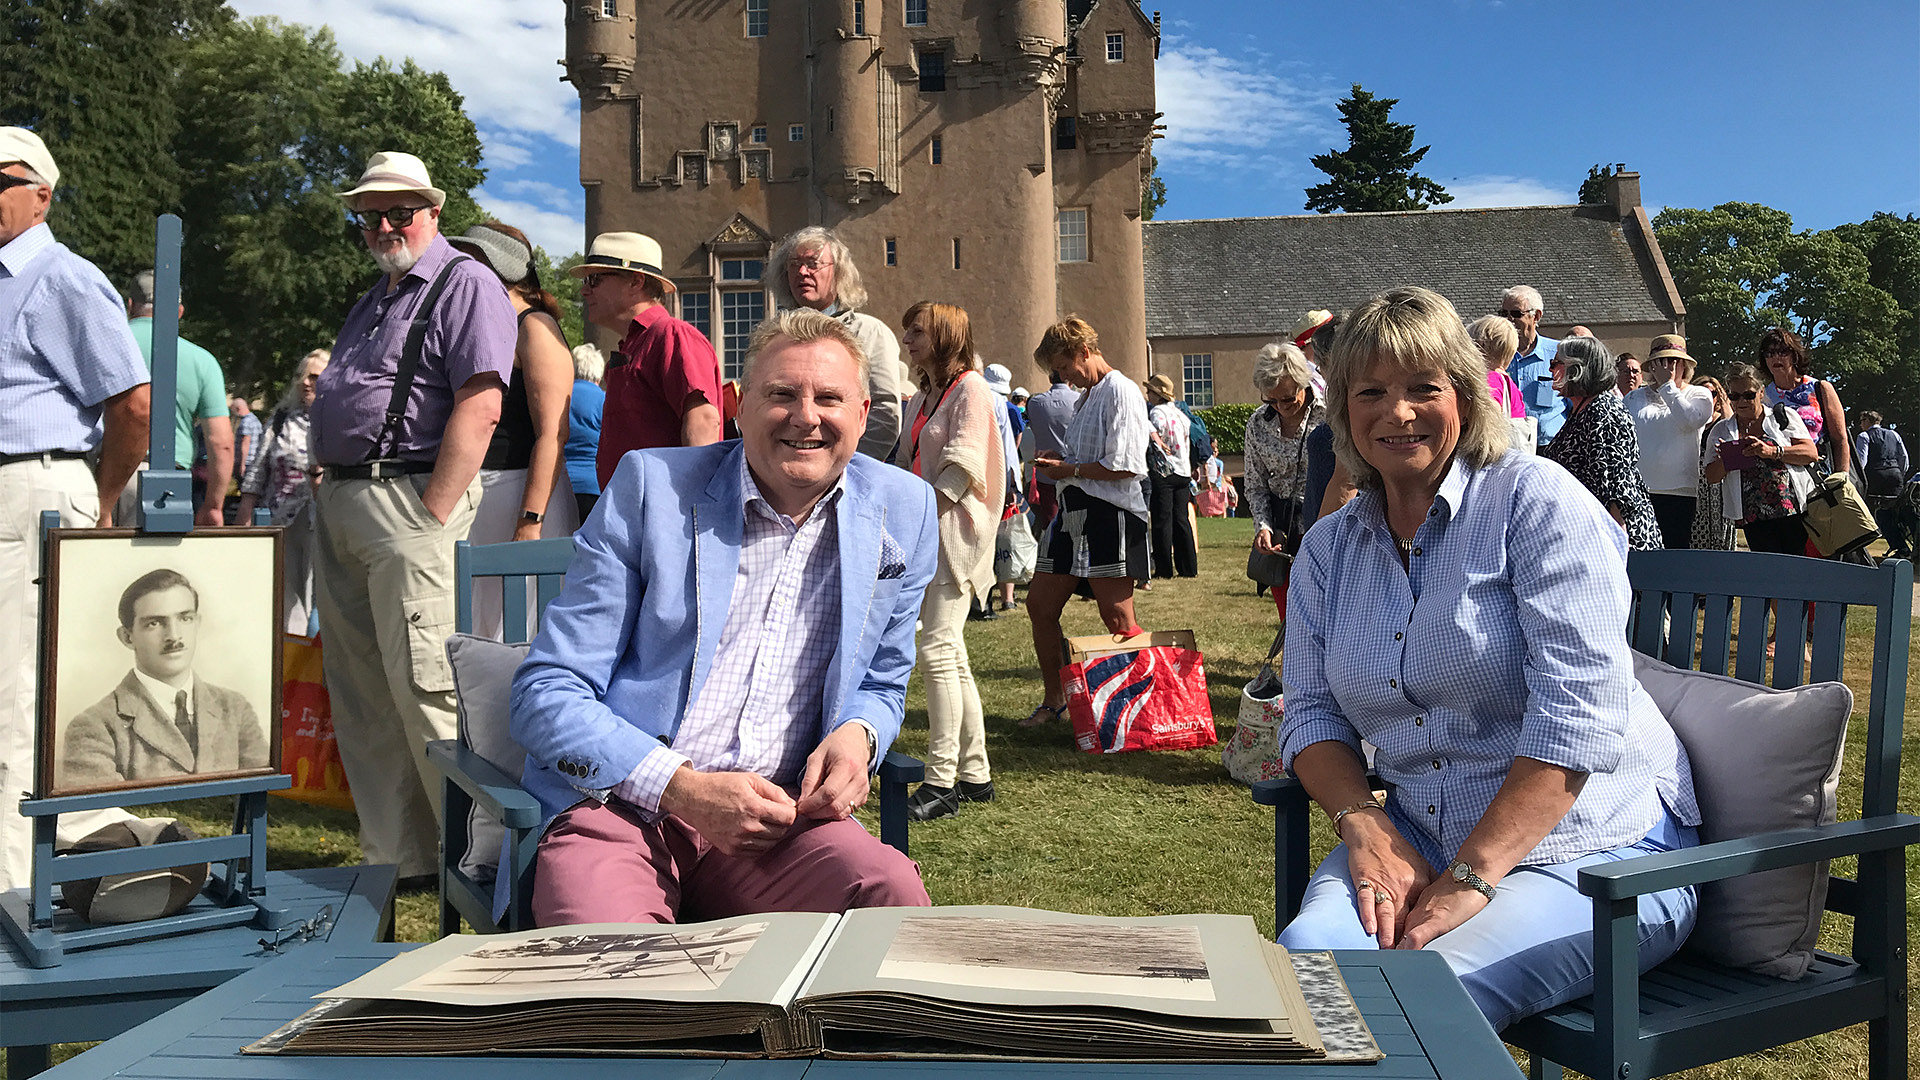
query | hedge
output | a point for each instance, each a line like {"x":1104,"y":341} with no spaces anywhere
{"x":1228,"y":425}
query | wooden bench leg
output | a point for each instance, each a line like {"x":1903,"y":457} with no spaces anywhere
{"x":1539,"y":1068}
{"x":25,"y":1061}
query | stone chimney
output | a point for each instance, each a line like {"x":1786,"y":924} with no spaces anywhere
{"x":1622,"y":189}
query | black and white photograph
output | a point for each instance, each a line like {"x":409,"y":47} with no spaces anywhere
{"x":664,"y":961}
{"x":1141,"y":961}
{"x":162,"y":662}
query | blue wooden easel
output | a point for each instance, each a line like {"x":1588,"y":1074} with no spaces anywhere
{"x":236,"y":891}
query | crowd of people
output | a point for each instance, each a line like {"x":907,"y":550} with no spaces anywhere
{"x":756,"y":559}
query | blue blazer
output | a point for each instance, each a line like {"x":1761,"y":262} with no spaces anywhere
{"x":626,"y":646}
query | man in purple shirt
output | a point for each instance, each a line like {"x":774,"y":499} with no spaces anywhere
{"x":399,"y":460}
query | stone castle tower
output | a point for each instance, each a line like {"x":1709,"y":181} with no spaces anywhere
{"x":987,"y":153}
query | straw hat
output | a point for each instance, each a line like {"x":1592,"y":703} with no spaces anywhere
{"x":17,"y":144}
{"x":1163,"y":386}
{"x":510,"y":258}
{"x":1668,"y":346}
{"x":1311,"y":321}
{"x":636,"y":253}
{"x":391,"y":170}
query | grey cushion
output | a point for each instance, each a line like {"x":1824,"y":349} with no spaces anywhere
{"x":1763,"y":760}
{"x":482,"y":681}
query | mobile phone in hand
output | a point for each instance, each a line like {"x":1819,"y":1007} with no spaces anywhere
{"x":1735,"y":458}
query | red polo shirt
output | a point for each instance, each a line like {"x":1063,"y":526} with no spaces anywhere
{"x":660,"y":362}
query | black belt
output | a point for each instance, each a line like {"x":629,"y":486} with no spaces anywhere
{"x":377,"y":470}
{"x":35,"y":455}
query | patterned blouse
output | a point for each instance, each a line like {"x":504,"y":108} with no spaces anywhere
{"x":1276,"y":464}
{"x":278,"y":475}
{"x":1597,"y":445}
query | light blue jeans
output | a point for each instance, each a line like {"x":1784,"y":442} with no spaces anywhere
{"x":1531,"y":947}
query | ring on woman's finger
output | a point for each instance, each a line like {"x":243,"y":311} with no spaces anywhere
{"x":1383,"y":898}
{"x":1363,"y":885}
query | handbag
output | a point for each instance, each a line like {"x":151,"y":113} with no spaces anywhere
{"x":1253,"y":753}
{"x":1836,"y":517}
{"x":1290,"y":525}
{"x":1158,"y":463}
{"x":309,"y":751}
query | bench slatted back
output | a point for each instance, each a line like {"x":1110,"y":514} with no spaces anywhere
{"x":514,"y":564}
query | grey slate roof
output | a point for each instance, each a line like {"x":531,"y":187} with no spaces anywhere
{"x":1258,"y":275}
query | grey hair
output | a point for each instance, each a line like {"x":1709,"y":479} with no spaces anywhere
{"x":1415,"y":330}
{"x":290,"y":397}
{"x":588,"y":363}
{"x":31,"y":177}
{"x":802,"y":325}
{"x":1276,"y":362}
{"x":1586,"y":367}
{"x":142,"y":290}
{"x":849,"y":293}
{"x":1496,"y":339}
{"x":1527,"y":295}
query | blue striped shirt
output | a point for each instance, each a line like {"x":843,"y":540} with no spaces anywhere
{"x":64,"y":346}
{"x":1506,"y":638}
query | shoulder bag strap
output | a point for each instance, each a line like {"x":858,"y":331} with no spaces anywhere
{"x":388,"y":444}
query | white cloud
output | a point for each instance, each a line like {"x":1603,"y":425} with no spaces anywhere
{"x":1223,"y":111}
{"x":1493,"y":190}
{"x":552,"y":196}
{"x":500,"y":54}
{"x":560,"y":232}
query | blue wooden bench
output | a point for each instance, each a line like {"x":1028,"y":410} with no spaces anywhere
{"x":469,"y":781}
{"x":1688,"y":1012}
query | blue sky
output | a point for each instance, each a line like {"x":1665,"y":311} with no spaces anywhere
{"x":1812,"y":108}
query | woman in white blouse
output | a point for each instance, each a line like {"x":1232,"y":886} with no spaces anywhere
{"x":1668,"y":416}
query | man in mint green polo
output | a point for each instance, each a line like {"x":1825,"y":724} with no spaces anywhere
{"x":200,"y":397}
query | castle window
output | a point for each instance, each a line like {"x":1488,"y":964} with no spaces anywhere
{"x":1066,"y":133}
{"x":933,"y":72}
{"x":758,"y":134}
{"x":608,"y":9}
{"x":829,"y":119}
{"x":956,"y":253}
{"x":742,"y":269}
{"x":1197,"y":376}
{"x":756,"y":18}
{"x":916,"y":12}
{"x":935,"y":152}
{"x":859,"y":18}
{"x":740,"y":311}
{"x":696,"y":307}
{"x":1116,"y":48}
{"x":893,"y":252}
{"x":1073,"y":235}
{"x":796,"y":133}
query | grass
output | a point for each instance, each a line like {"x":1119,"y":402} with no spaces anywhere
{"x":1135,"y":834}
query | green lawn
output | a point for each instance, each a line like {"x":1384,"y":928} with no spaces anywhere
{"x":1132,"y":834}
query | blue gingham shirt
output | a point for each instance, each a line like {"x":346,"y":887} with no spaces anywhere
{"x":760,"y":707}
{"x":1506,"y":638}
{"x":64,"y":346}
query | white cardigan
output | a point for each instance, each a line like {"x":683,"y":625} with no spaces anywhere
{"x":1798,"y":481}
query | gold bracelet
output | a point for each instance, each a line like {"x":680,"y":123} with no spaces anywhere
{"x":1370,"y":804}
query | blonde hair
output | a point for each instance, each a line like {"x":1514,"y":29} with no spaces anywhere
{"x":1066,"y":338}
{"x":1496,"y":339}
{"x":802,"y":326}
{"x":849,"y":292}
{"x":1415,"y":330}
{"x":290,"y":398}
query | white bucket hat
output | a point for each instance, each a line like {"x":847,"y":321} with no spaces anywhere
{"x":17,"y":144}
{"x":1000,"y":379}
{"x":391,"y":170}
{"x":636,"y":253}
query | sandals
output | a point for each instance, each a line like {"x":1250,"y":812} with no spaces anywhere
{"x":1043,"y":714}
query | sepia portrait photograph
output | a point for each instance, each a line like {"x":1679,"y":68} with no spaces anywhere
{"x":162,"y":659}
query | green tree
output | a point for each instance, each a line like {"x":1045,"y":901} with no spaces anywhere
{"x":93,"y":78}
{"x":272,"y":127}
{"x":1375,"y":171}
{"x":1741,"y":269}
{"x":1593,"y":190}
{"x":1892,"y":247}
{"x":1153,"y":190}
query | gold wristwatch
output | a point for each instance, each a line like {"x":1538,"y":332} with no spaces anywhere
{"x":1464,"y":874}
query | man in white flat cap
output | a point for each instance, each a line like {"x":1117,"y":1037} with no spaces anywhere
{"x":71,"y":382}
{"x":663,"y":381}
{"x":401,"y":419}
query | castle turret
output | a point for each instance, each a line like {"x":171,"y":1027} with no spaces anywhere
{"x":1036,"y":33}
{"x":600,"y":47}
{"x":846,"y":102}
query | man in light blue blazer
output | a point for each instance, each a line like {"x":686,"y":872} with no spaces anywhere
{"x":715,"y":685}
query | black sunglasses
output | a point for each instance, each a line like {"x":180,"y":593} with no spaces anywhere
{"x":1516,"y":314}
{"x":399,"y":217}
{"x":8,"y":182}
{"x":1748,"y":396}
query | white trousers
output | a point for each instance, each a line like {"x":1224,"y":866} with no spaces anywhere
{"x":26,"y":489}
{"x":494,"y":522}
{"x":956,"y":729}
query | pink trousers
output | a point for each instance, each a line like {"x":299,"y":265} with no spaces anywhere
{"x":603,"y":864}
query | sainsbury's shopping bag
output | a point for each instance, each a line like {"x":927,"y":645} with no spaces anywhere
{"x":1146,"y":692}
{"x":308,"y":751}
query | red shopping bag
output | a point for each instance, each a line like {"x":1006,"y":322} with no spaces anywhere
{"x":1146,"y":692}
{"x":308,"y":752}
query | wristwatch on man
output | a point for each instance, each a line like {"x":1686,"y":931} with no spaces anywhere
{"x":1464,"y":874}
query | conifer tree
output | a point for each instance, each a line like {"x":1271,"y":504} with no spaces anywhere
{"x":1375,"y":171}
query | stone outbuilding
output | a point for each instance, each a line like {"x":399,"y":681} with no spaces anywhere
{"x":1219,"y":290}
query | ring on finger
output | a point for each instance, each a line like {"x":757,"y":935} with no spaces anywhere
{"x":1363,"y":885}
{"x":1383,"y":898}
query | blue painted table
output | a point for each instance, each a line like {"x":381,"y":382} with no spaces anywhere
{"x":99,"y":993}
{"x":1421,"y":1017}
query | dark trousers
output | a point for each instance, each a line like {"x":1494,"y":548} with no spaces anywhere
{"x":1782,"y":536}
{"x":1173,"y":550}
{"x":1675,"y":515}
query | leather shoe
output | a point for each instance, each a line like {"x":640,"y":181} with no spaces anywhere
{"x":929,"y":802}
{"x":970,"y":792}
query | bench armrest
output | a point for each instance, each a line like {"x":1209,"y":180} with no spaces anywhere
{"x":1747,"y":855}
{"x":492,"y":791}
{"x":1273,"y":792}
{"x":899,"y":768}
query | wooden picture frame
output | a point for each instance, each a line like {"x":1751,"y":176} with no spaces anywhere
{"x":205,"y":612}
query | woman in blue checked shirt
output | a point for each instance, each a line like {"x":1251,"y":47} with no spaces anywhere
{"x":1513,"y":738}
